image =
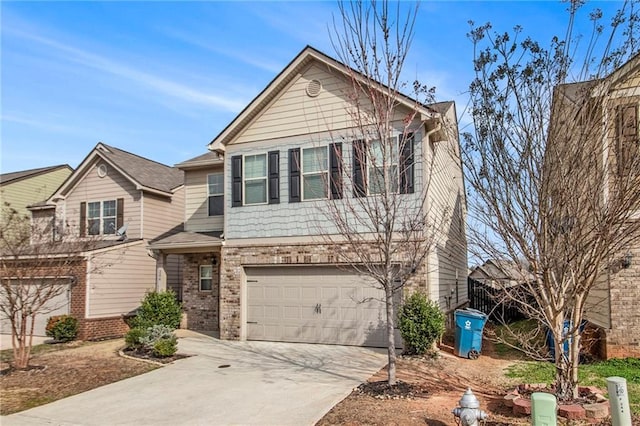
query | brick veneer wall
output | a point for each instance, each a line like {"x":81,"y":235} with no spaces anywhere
{"x":200,"y":307}
{"x":623,"y":339}
{"x":234,"y":259}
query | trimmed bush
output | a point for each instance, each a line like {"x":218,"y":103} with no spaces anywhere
{"x":62,"y":328}
{"x":165,"y":347}
{"x":421,"y":323}
{"x":133,"y":338}
{"x":156,"y":333}
{"x":158,"y":308}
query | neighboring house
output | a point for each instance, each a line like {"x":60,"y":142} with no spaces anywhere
{"x":255,"y":265}
{"x":116,"y":202}
{"x":613,"y":303}
{"x":500,"y":273}
{"x":23,"y":188}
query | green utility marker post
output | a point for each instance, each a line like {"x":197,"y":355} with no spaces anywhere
{"x":543,"y":409}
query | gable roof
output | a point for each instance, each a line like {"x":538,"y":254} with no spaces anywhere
{"x":274,"y":88}
{"x":24,"y":174}
{"x":146,"y":175}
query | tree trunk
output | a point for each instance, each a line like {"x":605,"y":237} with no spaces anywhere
{"x":391,"y":348}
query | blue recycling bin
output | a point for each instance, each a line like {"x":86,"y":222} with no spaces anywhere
{"x":567,"y":342}
{"x":468,"y":338}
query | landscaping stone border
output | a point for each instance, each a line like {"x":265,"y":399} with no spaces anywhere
{"x":598,"y":410}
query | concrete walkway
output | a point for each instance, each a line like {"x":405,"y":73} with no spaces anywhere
{"x":226,"y":383}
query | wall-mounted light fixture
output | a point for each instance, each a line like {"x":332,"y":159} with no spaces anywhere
{"x":626,"y":260}
{"x":214,"y":260}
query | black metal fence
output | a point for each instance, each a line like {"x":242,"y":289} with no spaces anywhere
{"x":491,"y":301}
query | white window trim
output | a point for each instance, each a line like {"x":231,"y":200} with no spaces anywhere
{"x":101,"y":218}
{"x":397,"y":164}
{"x":303,"y":174}
{"x":220,"y":194}
{"x":265,"y":178}
{"x":200,"y":278}
{"x":209,"y":194}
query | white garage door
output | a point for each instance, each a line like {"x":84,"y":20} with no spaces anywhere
{"x":314,"y":305}
{"x":58,"y":305}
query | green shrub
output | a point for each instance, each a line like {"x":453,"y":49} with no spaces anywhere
{"x":156,"y":333}
{"x":158,"y":308}
{"x":133,"y":338}
{"x":62,"y":328}
{"x":421,"y":323}
{"x":165,"y":347}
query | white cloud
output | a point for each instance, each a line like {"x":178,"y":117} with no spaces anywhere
{"x":176,"y":90}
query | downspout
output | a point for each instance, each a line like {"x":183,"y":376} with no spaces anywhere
{"x":427,"y":139}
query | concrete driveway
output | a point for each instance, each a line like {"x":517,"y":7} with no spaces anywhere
{"x":226,"y":383}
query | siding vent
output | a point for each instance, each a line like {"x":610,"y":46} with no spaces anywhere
{"x":313,"y":88}
{"x":102,"y":170}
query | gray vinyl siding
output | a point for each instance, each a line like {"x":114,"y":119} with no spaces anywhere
{"x":119,"y":279}
{"x":111,"y":187}
{"x":196,"y":204}
{"x":162,"y":214}
{"x":306,"y":218}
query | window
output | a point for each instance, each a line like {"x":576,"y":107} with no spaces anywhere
{"x":101,"y":217}
{"x":314,"y":173}
{"x":371,"y":160}
{"x":255,"y":179}
{"x":206,"y":278}
{"x":215,"y":190}
{"x":383,"y":158}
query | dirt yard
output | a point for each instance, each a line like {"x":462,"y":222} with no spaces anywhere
{"x":76,"y":368}
{"x":438,"y":385}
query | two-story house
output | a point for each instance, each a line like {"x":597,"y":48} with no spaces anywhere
{"x":116,"y":202}
{"x":612,"y":303}
{"x":258,"y":265}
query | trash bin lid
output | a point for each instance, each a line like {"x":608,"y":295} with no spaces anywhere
{"x":470,"y":313}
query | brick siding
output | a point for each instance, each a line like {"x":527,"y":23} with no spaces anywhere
{"x":200,"y":307}
{"x":236,"y":258}
{"x":623,"y":339}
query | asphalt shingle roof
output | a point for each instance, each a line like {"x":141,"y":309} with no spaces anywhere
{"x":146,"y":172}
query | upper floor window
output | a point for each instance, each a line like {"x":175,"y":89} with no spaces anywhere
{"x":315,"y":171}
{"x":101,"y":217}
{"x":255,"y":179}
{"x":383,"y":159}
{"x":377,"y":168}
{"x":215,"y":193}
{"x":628,"y":142}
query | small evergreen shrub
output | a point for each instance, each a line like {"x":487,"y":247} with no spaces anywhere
{"x":133,"y":338}
{"x":165,"y":347}
{"x":158,"y":308}
{"x":156,"y":333}
{"x":62,"y":328}
{"x":421,"y":323}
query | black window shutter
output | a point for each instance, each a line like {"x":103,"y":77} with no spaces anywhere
{"x":236,"y":180}
{"x":274,"y":177}
{"x":83,"y":219}
{"x":119,"y":213}
{"x":335,"y":165}
{"x":627,"y":136}
{"x":294,"y":175}
{"x":359,"y":169}
{"x":406,"y":165}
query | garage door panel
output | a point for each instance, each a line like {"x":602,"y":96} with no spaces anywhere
{"x":317,"y":304}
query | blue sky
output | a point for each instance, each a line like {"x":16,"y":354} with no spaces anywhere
{"x":161,"y":79}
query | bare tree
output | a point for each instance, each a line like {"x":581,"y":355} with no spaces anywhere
{"x":34,"y":271}
{"x":553,"y":181}
{"x":379,"y":179}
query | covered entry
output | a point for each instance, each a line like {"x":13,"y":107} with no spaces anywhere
{"x":314,"y":304}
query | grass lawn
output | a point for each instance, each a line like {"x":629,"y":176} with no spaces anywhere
{"x":594,"y":374}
